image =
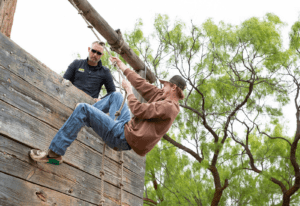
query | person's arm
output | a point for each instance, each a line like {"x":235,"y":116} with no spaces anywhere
{"x":140,"y":84}
{"x":155,"y":110}
{"x":161,"y":109}
{"x":70,"y":73}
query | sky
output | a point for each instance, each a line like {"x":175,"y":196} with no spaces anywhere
{"x":53,"y":32}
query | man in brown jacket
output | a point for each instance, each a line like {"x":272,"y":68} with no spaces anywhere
{"x":150,"y":122}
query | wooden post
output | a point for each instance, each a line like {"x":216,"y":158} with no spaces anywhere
{"x":112,"y":37}
{"x":7,"y":12}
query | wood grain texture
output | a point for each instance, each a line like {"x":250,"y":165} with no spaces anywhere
{"x":112,"y":37}
{"x":14,"y":191}
{"x":24,"y":96}
{"x":34,"y":105}
{"x":7,"y":13}
{"x":15,"y":161}
{"x":36,"y":134}
{"x":26,"y":67}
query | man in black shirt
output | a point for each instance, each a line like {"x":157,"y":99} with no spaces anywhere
{"x":89,"y":75}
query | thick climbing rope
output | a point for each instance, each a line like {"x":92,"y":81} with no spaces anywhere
{"x":118,"y":113}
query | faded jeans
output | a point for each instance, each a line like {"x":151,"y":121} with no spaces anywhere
{"x":111,"y":132}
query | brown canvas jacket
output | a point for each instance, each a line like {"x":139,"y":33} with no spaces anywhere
{"x":151,"y":120}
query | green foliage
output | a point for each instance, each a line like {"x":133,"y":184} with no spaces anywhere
{"x":295,"y":37}
{"x":237,"y":84}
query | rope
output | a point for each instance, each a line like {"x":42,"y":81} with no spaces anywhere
{"x":118,"y":113}
{"x":89,"y":25}
{"x":102,"y":177}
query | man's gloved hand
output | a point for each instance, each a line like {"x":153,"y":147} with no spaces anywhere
{"x":66,"y":82}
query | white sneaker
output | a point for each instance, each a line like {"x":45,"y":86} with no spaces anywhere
{"x":43,"y":156}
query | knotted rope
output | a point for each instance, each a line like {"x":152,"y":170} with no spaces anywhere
{"x":118,"y":113}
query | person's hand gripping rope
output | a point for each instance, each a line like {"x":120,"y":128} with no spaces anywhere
{"x":125,"y":84}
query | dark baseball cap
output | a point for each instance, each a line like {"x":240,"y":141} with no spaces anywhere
{"x":176,"y":79}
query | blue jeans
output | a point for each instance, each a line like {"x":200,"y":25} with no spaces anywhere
{"x":112,"y":132}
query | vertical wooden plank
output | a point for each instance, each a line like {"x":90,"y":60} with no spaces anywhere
{"x":7,"y":12}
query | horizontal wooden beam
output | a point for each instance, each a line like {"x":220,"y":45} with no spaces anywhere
{"x":112,"y":37}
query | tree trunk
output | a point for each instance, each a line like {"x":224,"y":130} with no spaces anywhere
{"x":217,"y":197}
{"x":113,"y":38}
{"x":286,"y":200}
{"x":7,"y":12}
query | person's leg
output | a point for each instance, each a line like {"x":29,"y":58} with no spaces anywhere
{"x":112,"y":132}
{"x":84,"y":114}
{"x":111,"y":104}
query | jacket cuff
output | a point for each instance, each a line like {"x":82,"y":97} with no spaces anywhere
{"x":127,"y":71}
{"x":130,"y":96}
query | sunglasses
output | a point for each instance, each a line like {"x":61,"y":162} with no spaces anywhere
{"x":94,"y":51}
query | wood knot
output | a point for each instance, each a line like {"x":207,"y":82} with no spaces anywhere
{"x":118,"y":45}
{"x":102,"y":201}
{"x":41,"y":195}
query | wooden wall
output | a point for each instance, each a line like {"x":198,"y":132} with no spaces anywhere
{"x":33,"y":106}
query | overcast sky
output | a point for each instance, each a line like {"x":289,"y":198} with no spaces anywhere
{"x":52,"y":31}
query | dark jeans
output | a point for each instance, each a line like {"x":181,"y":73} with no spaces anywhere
{"x":112,"y":132}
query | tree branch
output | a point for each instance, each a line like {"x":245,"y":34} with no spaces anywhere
{"x":180,"y":146}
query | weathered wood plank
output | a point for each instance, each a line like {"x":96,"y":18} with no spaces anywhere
{"x":7,"y":12}
{"x":14,"y":191}
{"x":33,"y":101}
{"x":112,"y":37}
{"x":36,"y":104}
{"x":14,"y":160}
{"x":34,"y":133}
{"x":25,"y":66}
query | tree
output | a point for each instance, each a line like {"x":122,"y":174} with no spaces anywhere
{"x":232,"y":73}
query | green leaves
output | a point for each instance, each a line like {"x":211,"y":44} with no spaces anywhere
{"x":239,"y":77}
{"x":295,"y":37}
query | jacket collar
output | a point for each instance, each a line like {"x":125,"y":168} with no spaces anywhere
{"x":99,"y":66}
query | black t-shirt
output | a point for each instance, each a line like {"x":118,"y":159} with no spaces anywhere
{"x":90,"y":79}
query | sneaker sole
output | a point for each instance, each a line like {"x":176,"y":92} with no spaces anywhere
{"x":45,"y":160}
